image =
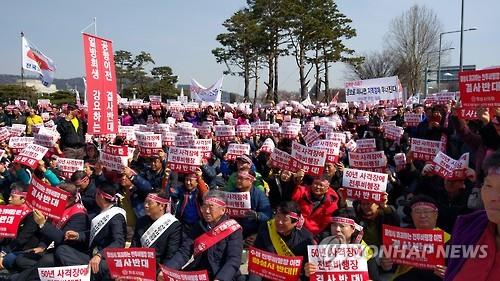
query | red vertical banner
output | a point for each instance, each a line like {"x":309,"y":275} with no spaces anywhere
{"x":101,"y":85}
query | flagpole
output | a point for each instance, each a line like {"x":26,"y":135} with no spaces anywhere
{"x":95,"y":26}
{"x":22,"y":69}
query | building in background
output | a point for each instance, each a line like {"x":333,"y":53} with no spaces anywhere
{"x":39,"y":87}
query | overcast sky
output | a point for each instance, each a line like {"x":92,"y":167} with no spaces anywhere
{"x":181,"y":33}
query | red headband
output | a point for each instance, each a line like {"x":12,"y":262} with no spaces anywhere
{"x":352,"y":223}
{"x":424,"y":205}
{"x":107,"y":196}
{"x":156,"y":198}
{"x":246,"y":175}
{"x":215,"y":201}
{"x":18,"y":193}
{"x":293,"y":215}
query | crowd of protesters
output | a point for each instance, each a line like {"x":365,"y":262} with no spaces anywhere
{"x":289,"y":209}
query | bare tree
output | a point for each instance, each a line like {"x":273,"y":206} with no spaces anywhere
{"x":413,"y":40}
{"x":375,"y":65}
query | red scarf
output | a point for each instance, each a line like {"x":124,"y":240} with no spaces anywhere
{"x":70,"y":212}
{"x":208,"y":239}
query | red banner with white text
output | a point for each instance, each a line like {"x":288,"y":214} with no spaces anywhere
{"x":101,"y":96}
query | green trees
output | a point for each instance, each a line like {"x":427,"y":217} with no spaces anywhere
{"x":312,"y":31}
{"x":132,"y":76}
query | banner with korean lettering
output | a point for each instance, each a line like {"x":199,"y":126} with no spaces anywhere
{"x":290,"y":131}
{"x":310,"y":159}
{"x":67,"y":166}
{"x":365,"y":145}
{"x":282,"y":160}
{"x":371,"y":90}
{"x":338,"y":262}
{"x":238,"y":204}
{"x":421,"y":248}
{"x":368,"y":161}
{"x":101,"y":92}
{"x":393,"y":133}
{"x":332,"y":148}
{"x":114,"y":157}
{"x":480,"y":88}
{"x":184,"y":160}
{"x":205,"y":146}
{"x":4,"y":134}
{"x":149,"y":144}
{"x":243,"y":131}
{"x":131,"y":262}
{"x":30,"y":155}
{"x":65,"y":273}
{"x":412,"y":119}
{"x":224,"y":132}
{"x":234,"y":150}
{"x":176,"y":275}
{"x":261,"y":128}
{"x":449,"y":168}
{"x":16,"y":144}
{"x":400,"y":161}
{"x":426,"y":150}
{"x":364,"y":185}
{"x":440,"y":98}
{"x":274,"y":267}
{"x":10,"y":218}
{"x":310,"y":137}
{"x":49,"y":200}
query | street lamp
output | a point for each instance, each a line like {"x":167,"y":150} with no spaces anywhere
{"x":439,"y":57}
{"x":427,"y":68}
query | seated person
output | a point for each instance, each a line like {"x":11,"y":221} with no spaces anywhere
{"x":158,"y":229}
{"x":284,"y":234}
{"x":216,"y":243}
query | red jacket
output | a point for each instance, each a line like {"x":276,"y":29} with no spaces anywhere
{"x":318,"y":219}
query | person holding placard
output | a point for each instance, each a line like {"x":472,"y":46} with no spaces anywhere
{"x":245,"y":163}
{"x":345,"y":230}
{"x":260,"y":210}
{"x":74,"y":220}
{"x":424,"y":214}
{"x":216,"y":243}
{"x":158,"y":229}
{"x":284,"y":234}
{"x":188,"y":199}
{"x":25,"y":239}
{"x":107,"y":230}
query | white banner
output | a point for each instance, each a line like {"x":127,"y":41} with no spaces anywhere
{"x":65,"y":273}
{"x":372,"y":90}
{"x":184,"y":160}
{"x":67,"y":166}
{"x":211,"y":94}
{"x":311,"y":160}
{"x":364,"y":185}
{"x":238,"y":203}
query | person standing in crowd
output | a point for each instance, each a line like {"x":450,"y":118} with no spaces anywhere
{"x":87,"y":189}
{"x":72,"y":131}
